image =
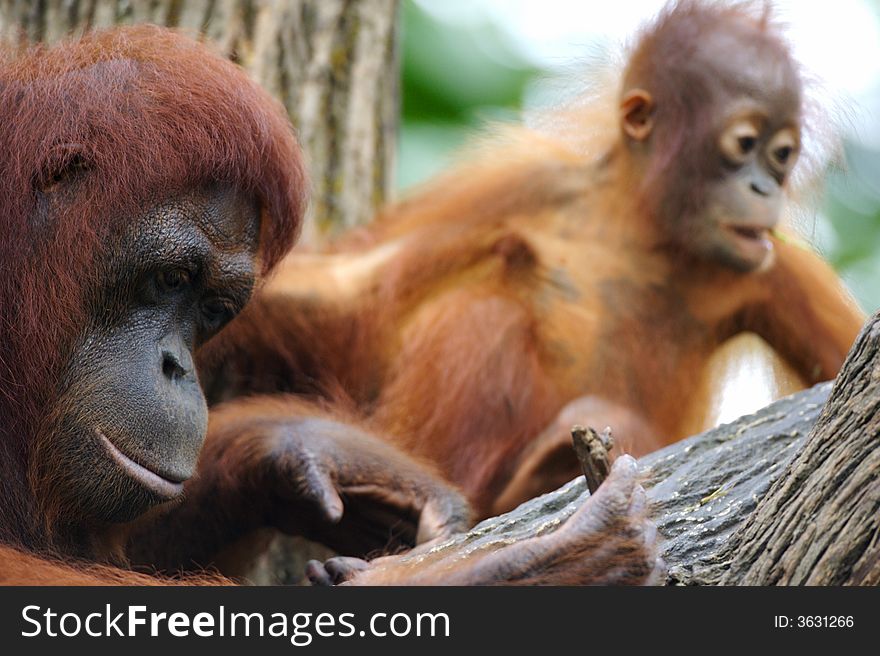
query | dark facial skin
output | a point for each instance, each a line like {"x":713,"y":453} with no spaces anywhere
{"x":745,"y":157}
{"x":744,"y":201}
{"x":756,"y":139}
{"x":133,"y":415}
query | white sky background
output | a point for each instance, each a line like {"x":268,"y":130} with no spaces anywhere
{"x":837,"y":42}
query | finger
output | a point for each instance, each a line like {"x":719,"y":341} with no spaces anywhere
{"x":610,"y":503}
{"x":639,"y":503}
{"x":319,"y":488}
{"x":625,"y":466}
{"x":649,"y":530}
{"x":317,"y":574}
{"x":617,"y":491}
{"x":343,"y":568}
{"x":442,"y":517}
{"x":658,"y":574}
{"x":431,"y":524}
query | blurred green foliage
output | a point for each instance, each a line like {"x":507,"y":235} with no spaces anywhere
{"x":852,"y":211}
{"x":457,"y":77}
{"x":453,"y":80}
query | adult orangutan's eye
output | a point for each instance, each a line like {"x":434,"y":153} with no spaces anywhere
{"x":172,"y":279}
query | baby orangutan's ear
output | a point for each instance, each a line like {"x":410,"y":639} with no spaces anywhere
{"x":637,"y":114}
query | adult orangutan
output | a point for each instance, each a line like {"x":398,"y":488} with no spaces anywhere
{"x":552,"y":283}
{"x":147,"y":186}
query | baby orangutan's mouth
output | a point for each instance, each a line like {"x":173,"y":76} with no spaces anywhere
{"x":751,"y":241}
{"x":754,"y":233}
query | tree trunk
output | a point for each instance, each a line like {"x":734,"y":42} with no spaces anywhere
{"x":787,"y":496}
{"x":820,"y":524}
{"x":333,"y":63}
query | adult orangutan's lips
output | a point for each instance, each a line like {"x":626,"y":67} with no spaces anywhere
{"x":157,"y":484}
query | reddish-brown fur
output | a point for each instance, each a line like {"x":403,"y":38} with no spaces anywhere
{"x":545,"y":284}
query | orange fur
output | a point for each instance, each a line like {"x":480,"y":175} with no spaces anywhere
{"x":20,"y":568}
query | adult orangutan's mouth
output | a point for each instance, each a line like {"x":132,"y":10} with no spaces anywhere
{"x":158,"y":485}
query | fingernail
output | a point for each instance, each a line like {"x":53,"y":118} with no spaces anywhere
{"x":626,"y":463}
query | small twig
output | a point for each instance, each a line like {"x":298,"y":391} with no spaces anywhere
{"x":592,"y":452}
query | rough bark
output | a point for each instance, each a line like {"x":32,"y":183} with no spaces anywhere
{"x":820,"y":524}
{"x":333,"y":63}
